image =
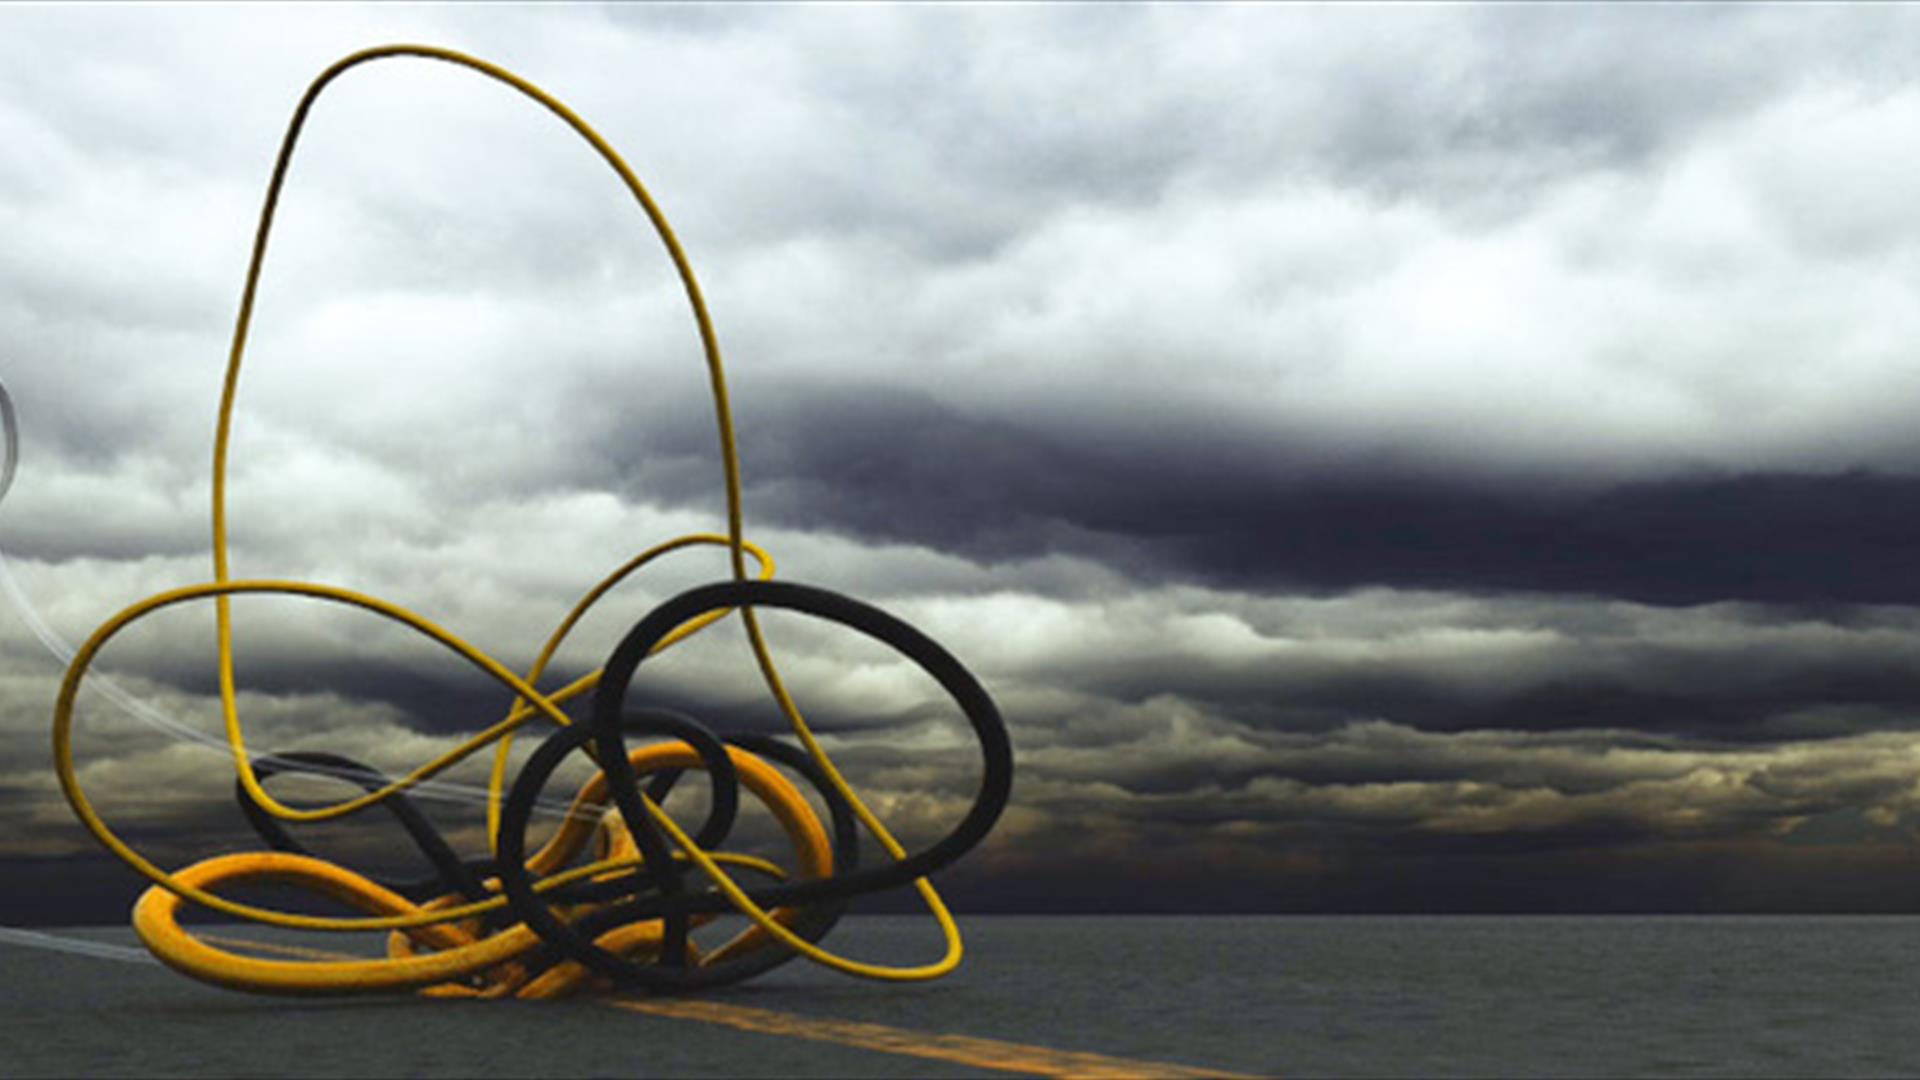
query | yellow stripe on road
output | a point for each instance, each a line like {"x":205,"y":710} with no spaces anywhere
{"x":960,"y":1049}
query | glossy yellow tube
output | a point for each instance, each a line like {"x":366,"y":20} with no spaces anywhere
{"x":195,"y":884}
{"x":458,"y":954}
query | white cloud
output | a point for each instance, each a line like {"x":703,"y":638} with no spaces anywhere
{"x":1457,"y":236}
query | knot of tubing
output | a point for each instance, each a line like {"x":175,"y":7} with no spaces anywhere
{"x":534,"y":925}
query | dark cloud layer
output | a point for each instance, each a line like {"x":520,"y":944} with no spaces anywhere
{"x":1215,"y":508}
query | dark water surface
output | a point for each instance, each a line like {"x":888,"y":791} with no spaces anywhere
{"x":1292,"y":996}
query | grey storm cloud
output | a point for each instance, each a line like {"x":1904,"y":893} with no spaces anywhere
{"x":906,"y":468}
{"x":1337,"y":436}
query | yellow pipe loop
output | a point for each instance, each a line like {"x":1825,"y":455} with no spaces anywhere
{"x":444,"y":926}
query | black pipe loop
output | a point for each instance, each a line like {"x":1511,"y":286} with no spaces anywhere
{"x":667,"y":898}
{"x":812,"y":923}
{"x":659,"y":888}
{"x":996,"y":779}
{"x":656,"y":873}
{"x":454,"y":875}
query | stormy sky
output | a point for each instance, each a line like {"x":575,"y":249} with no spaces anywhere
{"x":1380,"y":459}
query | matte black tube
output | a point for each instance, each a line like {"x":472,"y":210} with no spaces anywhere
{"x":656,"y":889}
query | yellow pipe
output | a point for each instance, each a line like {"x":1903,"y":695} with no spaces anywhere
{"x":383,"y":912}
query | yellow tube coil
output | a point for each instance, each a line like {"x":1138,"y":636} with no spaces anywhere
{"x":438,"y":947}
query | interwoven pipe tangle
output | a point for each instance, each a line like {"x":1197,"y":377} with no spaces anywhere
{"x":542,"y":923}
